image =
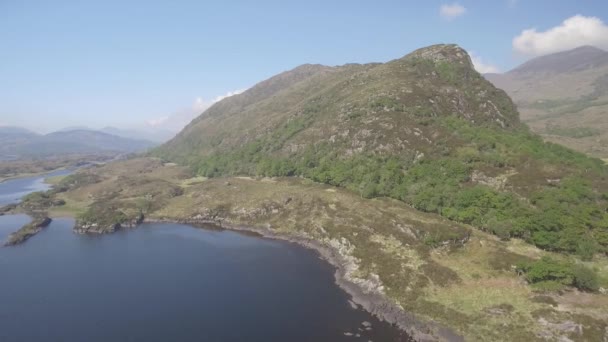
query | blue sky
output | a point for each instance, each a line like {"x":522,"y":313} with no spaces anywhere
{"x":136,"y":63}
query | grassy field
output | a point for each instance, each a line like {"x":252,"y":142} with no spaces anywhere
{"x":54,"y":180}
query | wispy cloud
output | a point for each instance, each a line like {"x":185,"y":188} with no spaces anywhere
{"x":452,"y":11}
{"x":481,"y":65}
{"x":157,"y":122}
{"x":178,"y":120}
{"x":201,"y":105}
{"x":571,"y":33}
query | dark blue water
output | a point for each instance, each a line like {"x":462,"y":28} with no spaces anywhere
{"x":12,"y":190}
{"x":168,"y":282}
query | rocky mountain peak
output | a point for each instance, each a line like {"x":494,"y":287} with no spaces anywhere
{"x":451,"y":53}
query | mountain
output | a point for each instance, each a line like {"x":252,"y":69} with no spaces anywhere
{"x":26,"y":144}
{"x":564,"y":97}
{"x":12,"y":130}
{"x":578,"y":59}
{"x":380,"y":108}
{"x":158,"y":136}
{"x":426,"y":129}
{"x":10,"y":138}
{"x":75,"y":128}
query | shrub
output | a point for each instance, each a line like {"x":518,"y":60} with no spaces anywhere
{"x":584,"y":278}
{"x":548,"y":274}
{"x":547,"y":269}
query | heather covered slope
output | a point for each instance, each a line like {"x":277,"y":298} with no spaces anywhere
{"x":355,"y":108}
{"x":426,"y":129}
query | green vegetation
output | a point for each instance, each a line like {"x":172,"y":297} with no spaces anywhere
{"x":40,"y":201}
{"x":564,"y":217}
{"x":104,"y":215}
{"x":573,"y":132}
{"x":548,"y":274}
{"x":75,"y":180}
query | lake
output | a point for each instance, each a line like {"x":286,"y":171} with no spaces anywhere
{"x":12,"y":190}
{"x":171,"y":282}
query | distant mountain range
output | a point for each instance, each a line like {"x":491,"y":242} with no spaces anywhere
{"x":16,"y":142}
{"x":564,"y":97}
{"x":159,"y":136}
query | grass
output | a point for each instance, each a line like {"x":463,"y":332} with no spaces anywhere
{"x":573,"y":132}
{"x":72,"y":207}
{"x":193,"y":181}
{"x":488,"y":282}
{"x":54,"y":180}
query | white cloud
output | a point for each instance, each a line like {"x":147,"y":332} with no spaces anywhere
{"x":512,"y":3}
{"x":482,"y":66}
{"x":157,"y":122}
{"x":200,"y":105}
{"x":571,"y":33}
{"x":228,"y":94}
{"x":452,"y":11}
{"x":178,"y":120}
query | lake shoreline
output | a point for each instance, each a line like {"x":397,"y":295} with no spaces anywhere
{"x":27,"y":175}
{"x":28,"y":231}
{"x":363,"y":293}
{"x":375,"y":303}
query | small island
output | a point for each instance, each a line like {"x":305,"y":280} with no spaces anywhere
{"x":28,"y":230}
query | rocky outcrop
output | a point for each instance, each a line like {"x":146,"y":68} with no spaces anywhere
{"x":28,"y":231}
{"x":7,"y":208}
{"x":86,"y":227}
{"x":95,"y":228}
{"x":449,"y":53}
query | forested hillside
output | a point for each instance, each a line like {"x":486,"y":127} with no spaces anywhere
{"x":426,"y":129}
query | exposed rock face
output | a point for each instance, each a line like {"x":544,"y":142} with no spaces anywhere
{"x":95,"y":228}
{"x":444,"y":53}
{"x":7,"y":208}
{"x":85,"y":227}
{"x":28,"y":231}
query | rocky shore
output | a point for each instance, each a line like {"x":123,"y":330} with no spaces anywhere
{"x":28,"y":231}
{"x":87,"y":227}
{"x":7,"y":209}
{"x":366,"y":294}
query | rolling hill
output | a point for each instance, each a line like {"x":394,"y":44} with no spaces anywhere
{"x":18,"y":143}
{"x":563,"y":97}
